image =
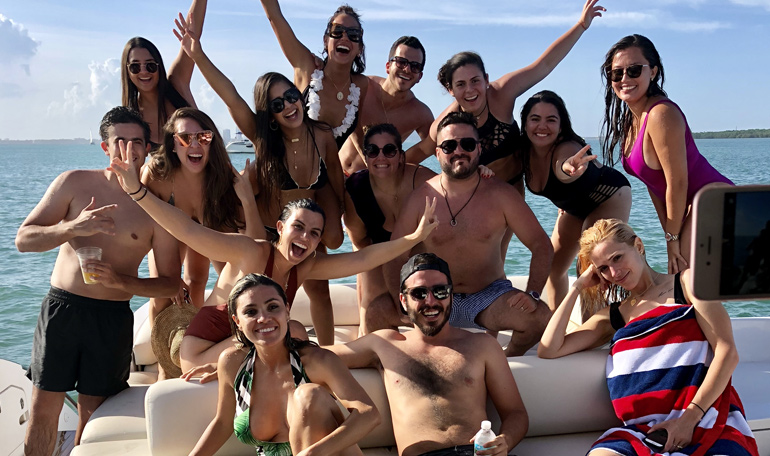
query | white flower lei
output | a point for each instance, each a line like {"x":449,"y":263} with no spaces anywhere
{"x":314,"y":102}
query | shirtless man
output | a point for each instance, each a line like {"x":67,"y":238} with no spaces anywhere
{"x":472,"y":223}
{"x":390,"y":100}
{"x":437,"y":377}
{"x":84,"y":333}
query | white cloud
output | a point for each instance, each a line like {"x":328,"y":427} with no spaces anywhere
{"x":104,"y":81}
{"x":15,"y":42}
{"x":205,"y":97}
{"x":761,"y":3}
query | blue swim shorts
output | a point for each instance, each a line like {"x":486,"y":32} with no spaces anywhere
{"x":467,"y":306}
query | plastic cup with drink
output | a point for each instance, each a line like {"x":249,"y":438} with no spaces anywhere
{"x":86,"y":254}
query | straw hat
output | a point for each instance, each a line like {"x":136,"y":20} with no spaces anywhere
{"x":167,"y":333}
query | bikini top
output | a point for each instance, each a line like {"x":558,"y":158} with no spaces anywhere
{"x":313,"y":106}
{"x":288,"y":182}
{"x":498,"y":139}
{"x":292,"y":285}
{"x":616,"y":318}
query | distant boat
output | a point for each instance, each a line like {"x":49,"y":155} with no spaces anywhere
{"x":240,"y":145}
{"x":90,"y":138}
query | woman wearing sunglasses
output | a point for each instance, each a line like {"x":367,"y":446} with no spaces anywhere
{"x":191,"y":171}
{"x":559,"y":166}
{"x":296,"y":157}
{"x":372,"y":204}
{"x":147,"y":88}
{"x":334,"y":92}
{"x":491,"y":103}
{"x":654,"y":139}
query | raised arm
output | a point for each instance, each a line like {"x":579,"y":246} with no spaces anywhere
{"x":41,"y":230}
{"x":181,"y":69}
{"x":239,"y":109}
{"x":407,"y":220}
{"x":346,"y":264}
{"x":512,"y":85}
{"x":527,"y":229}
{"x":254,"y":229}
{"x":296,"y":53}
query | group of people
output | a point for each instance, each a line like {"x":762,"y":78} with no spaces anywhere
{"x":329,"y":146}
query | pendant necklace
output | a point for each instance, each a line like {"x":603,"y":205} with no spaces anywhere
{"x":453,"y":220}
{"x":636,"y":298}
{"x":486,"y":105}
{"x":340,"y":95}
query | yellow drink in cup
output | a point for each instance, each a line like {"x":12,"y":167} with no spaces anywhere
{"x":84,"y":255}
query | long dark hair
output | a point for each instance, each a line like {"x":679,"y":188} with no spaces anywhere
{"x":248,"y":282}
{"x":566,"y":134}
{"x":359,"y":63}
{"x":447,"y":70}
{"x":166,"y":91}
{"x":219,"y":198}
{"x":618,"y":118}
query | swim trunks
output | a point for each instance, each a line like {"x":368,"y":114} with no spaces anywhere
{"x":83,"y":344}
{"x":458,"y":450}
{"x":467,"y":306}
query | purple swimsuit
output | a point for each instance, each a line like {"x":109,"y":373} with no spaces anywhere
{"x":699,"y":170}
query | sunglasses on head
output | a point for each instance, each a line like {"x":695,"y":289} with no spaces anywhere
{"x":203,"y":137}
{"x":467,"y":144}
{"x":354,"y":33}
{"x":388,"y":150}
{"x":290,"y":96}
{"x":135,"y":68}
{"x":420,"y":293}
{"x":633,"y":71}
{"x":402,"y":63}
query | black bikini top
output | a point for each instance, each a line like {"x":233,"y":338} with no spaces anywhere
{"x":616,"y":318}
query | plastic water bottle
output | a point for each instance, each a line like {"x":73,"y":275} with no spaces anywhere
{"x":483,"y":436}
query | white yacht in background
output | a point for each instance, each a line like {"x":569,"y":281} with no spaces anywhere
{"x":239,"y":145}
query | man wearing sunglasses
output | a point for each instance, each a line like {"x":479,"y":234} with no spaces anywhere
{"x":391,"y":100}
{"x":473,"y":220}
{"x":84,"y":334}
{"x":437,"y":377}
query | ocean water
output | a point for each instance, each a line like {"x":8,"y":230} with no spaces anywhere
{"x":29,"y":168}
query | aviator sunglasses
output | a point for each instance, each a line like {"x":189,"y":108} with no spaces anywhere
{"x":402,"y":63}
{"x":388,"y":150}
{"x":354,"y":33}
{"x":290,"y":96}
{"x":203,"y":137}
{"x":420,"y":293}
{"x":135,"y":68}
{"x":467,"y":144}
{"x":633,"y":72}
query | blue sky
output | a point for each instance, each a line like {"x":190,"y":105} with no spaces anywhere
{"x":59,"y":60}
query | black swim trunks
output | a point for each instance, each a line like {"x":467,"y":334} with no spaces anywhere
{"x":82,"y":343}
{"x":459,"y":450}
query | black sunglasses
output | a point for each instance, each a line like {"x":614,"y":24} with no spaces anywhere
{"x":290,"y":96}
{"x":467,"y":144}
{"x":402,"y":63}
{"x":135,"y":68}
{"x":203,"y":137}
{"x":633,"y":71}
{"x":354,"y":33}
{"x":420,"y":293}
{"x":388,"y":150}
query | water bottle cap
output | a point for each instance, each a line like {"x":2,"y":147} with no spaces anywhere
{"x":486,"y":425}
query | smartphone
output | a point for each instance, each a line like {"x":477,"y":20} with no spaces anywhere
{"x":730,"y":250}
{"x":656,"y":440}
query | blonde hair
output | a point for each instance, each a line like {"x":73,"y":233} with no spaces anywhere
{"x":593,"y":299}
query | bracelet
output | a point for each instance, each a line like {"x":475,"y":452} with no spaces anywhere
{"x":583,"y":25}
{"x":565,"y":172}
{"x":143,"y":195}
{"x":699,"y":408}
{"x":140,"y":189}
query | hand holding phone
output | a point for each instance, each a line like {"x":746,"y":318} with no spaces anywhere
{"x":656,"y":440}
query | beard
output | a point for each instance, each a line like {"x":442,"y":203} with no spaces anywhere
{"x":432,"y":328}
{"x":463,"y":172}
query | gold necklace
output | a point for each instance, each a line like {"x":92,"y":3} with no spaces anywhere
{"x":636,"y":298}
{"x":340,"y":95}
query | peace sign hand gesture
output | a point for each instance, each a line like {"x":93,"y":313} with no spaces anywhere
{"x":576,"y":165}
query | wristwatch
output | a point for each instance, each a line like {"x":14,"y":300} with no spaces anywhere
{"x":535,"y":295}
{"x":671,"y":237}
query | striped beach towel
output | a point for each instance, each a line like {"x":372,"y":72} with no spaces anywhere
{"x":656,"y":365}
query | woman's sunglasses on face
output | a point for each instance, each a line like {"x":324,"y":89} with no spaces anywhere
{"x":202,"y":137}
{"x":290,"y":96}
{"x":632,"y":71}
{"x":402,"y":63}
{"x":388,"y":150}
{"x":467,"y":144}
{"x":135,"y":68}
{"x":354,"y":33}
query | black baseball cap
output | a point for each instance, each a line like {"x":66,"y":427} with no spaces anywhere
{"x":424,"y":262}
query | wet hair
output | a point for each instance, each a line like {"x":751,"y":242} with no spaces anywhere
{"x":304,"y":203}
{"x":380,"y":129}
{"x":220,"y":200}
{"x":246,"y":283}
{"x":566,"y":134}
{"x":166,"y":91}
{"x":618,"y":118}
{"x":122,"y":115}
{"x":447,"y":70}
{"x":454,"y":118}
{"x":615,"y":230}
{"x":359,"y":63}
{"x":409,"y":41}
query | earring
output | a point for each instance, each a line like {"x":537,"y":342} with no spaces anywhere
{"x":273,"y":125}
